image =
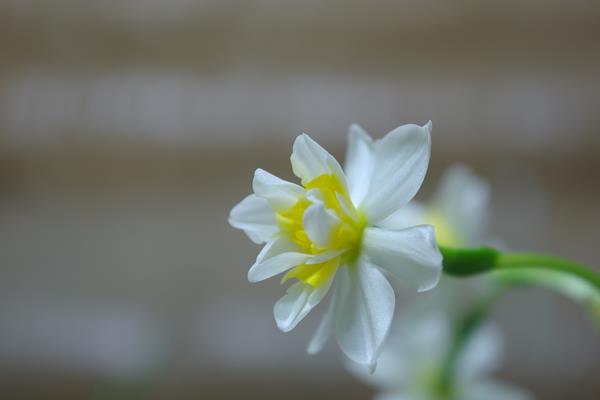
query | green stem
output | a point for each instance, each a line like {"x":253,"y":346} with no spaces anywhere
{"x":531,"y":260}
{"x":465,"y":329}
{"x":567,"y":277}
{"x":467,"y":262}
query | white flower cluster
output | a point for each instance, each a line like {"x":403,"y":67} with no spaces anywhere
{"x":336,"y":231}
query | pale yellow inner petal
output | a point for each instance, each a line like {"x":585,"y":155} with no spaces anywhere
{"x":345,"y":236}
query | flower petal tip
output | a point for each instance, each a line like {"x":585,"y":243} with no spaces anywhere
{"x":252,"y":277}
{"x":357,"y":131}
{"x":355,"y":128}
{"x":230,"y":220}
{"x":430,"y":285}
{"x":284,"y":327}
{"x":302,"y":136}
{"x":372,"y":367}
{"x":256,"y":177}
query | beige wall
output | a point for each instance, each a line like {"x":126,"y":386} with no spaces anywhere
{"x":129,"y":129}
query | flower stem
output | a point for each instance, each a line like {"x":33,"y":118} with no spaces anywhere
{"x":531,"y":260}
{"x":466,"y":262}
{"x":465,"y":328}
{"x":567,"y":277}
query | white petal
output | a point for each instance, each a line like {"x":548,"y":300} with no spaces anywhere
{"x":366,"y":307}
{"x":255,"y":217}
{"x":481,"y":355}
{"x":325,"y":256}
{"x":409,"y":215}
{"x":347,"y":206}
{"x":401,"y":160}
{"x":463,"y":199}
{"x":494,"y":390}
{"x":318,"y":224}
{"x":297,"y":303}
{"x":276,"y":257}
{"x":391,"y":373}
{"x":416,"y":344}
{"x":279,"y":193}
{"x":325,"y":328}
{"x":409,"y":254}
{"x":316,"y":196}
{"x":360,"y":160}
{"x":310,"y":160}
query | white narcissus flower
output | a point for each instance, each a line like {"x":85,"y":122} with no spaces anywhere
{"x":458,"y":211}
{"x":326,"y":234}
{"x":415,"y":352}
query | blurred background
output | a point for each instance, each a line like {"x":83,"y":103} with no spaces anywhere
{"x":129,"y":128}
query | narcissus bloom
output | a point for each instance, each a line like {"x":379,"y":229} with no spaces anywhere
{"x":326,"y":234}
{"x":412,"y":359}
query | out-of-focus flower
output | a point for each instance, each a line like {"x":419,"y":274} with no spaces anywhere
{"x":330,"y":227}
{"x":410,"y":365}
{"x":458,"y":211}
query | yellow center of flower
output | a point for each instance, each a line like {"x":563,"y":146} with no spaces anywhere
{"x":345,"y":236}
